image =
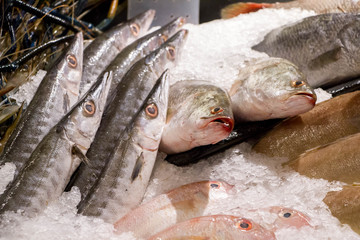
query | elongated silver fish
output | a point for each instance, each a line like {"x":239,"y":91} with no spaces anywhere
{"x":216,"y":227}
{"x":139,"y":49}
{"x":199,"y":114}
{"x":123,"y":183}
{"x":270,"y":88}
{"x":100,"y":52}
{"x":180,"y":204}
{"x":50,"y":166}
{"x":324,"y":47}
{"x":56,"y":94}
{"x":131,"y":94}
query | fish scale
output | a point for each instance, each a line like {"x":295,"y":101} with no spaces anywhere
{"x":46,"y":107}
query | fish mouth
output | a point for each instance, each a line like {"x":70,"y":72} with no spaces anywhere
{"x":226,"y":122}
{"x":310,"y":96}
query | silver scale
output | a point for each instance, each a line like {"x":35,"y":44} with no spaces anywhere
{"x":166,"y":10}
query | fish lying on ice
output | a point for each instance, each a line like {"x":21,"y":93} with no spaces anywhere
{"x":345,"y":205}
{"x":46,"y":173}
{"x":319,"y":6}
{"x":123,"y":183}
{"x":179,"y":204}
{"x":56,"y":94}
{"x":120,"y":113}
{"x":324,"y":47}
{"x":104,"y":48}
{"x":199,"y":113}
{"x":326,"y":122}
{"x":338,"y":160}
{"x":215,"y":227}
{"x":139,"y":49}
{"x":270,"y":88}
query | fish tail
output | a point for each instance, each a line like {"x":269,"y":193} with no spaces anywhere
{"x":235,"y":9}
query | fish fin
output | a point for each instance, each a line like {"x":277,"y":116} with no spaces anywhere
{"x":137,"y":168}
{"x":326,"y":58}
{"x":76,"y":151}
{"x":236,"y":9}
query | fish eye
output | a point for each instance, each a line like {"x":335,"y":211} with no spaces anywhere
{"x":89,"y":108}
{"x":244,"y":224}
{"x":163,"y":38}
{"x":216,"y":110}
{"x":171,"y":52}
{"x":297,"y":83}
{"x":135,"y":29}
{"x":214,"y":185}
{"x":71,"y":59}
{"x":151,"y":110}
{"x":287,"y":215}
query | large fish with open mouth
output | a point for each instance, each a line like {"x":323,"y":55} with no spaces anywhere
{"x":319,"y":6}
{"x":324,"y":47}
{"x":180,"y":204}
{"x":123,"y":183}
{"x":216,"y":227}
{"x":326,"y":122}
{"x":270,"y":88}
{"x":46,"y":173}
{"x":131,"y":94}
{"x":104,"y":48}
{"x":56,"y":94}
{"x":199,"y":113}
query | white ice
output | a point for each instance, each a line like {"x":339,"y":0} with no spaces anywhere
{"x":214,"y":51}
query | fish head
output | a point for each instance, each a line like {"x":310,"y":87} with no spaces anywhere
{"x":219,"y":189}
{"x":287,"y":217}
{"x":167,"y":55}
{"x":86,"y":114}
{"x":283,"y":88}
{"x":242,"y":227}
{"x":153,"y":116}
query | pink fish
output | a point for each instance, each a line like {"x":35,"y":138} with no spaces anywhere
{"x":177,"y":205}
{"x":288,"y":217}
{"x":215,"y":227}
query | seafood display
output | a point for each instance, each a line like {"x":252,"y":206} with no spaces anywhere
{"x":130,"y":126}
{"x":322,"y":46}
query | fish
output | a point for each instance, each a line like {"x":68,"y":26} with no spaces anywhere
{"x":215,"y":227}
{"x":319,"y":6}
{"x":270,"y":88}
{"x":56,"y":94}
{"x":124,"y":181}
{"x":123,"y":109}
{"x":324,"y":47}
{"x":139,"y":49}
{"x":104,"y":48}
{"x":345,"y":205}
{"x":288,"y":217}
{"x":243,"y":131}
{"x":177,"y":205}
{"x":335,"y":161}
{"x":199,"y":113}
{"x":44,"y":176}
{"x":326,"y":122}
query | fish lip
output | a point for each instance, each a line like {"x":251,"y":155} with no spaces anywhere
{"x":228,"y":122}
{"x":312,"y":97}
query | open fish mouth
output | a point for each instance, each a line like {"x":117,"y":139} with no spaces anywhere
{"x":226,"y":122}
{"x":312,"y":97}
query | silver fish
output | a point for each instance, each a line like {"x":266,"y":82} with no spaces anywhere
{"x":199,"y":114}
{"x":139,"y":49}
{"x":50,"y":166}
{"x":55,"y":96}
{"x":100,"y":52}
{"x":123,"y":183}
{"x":131,"y":94}
{"x":270,"y":88}
{"x":324,"y":47}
